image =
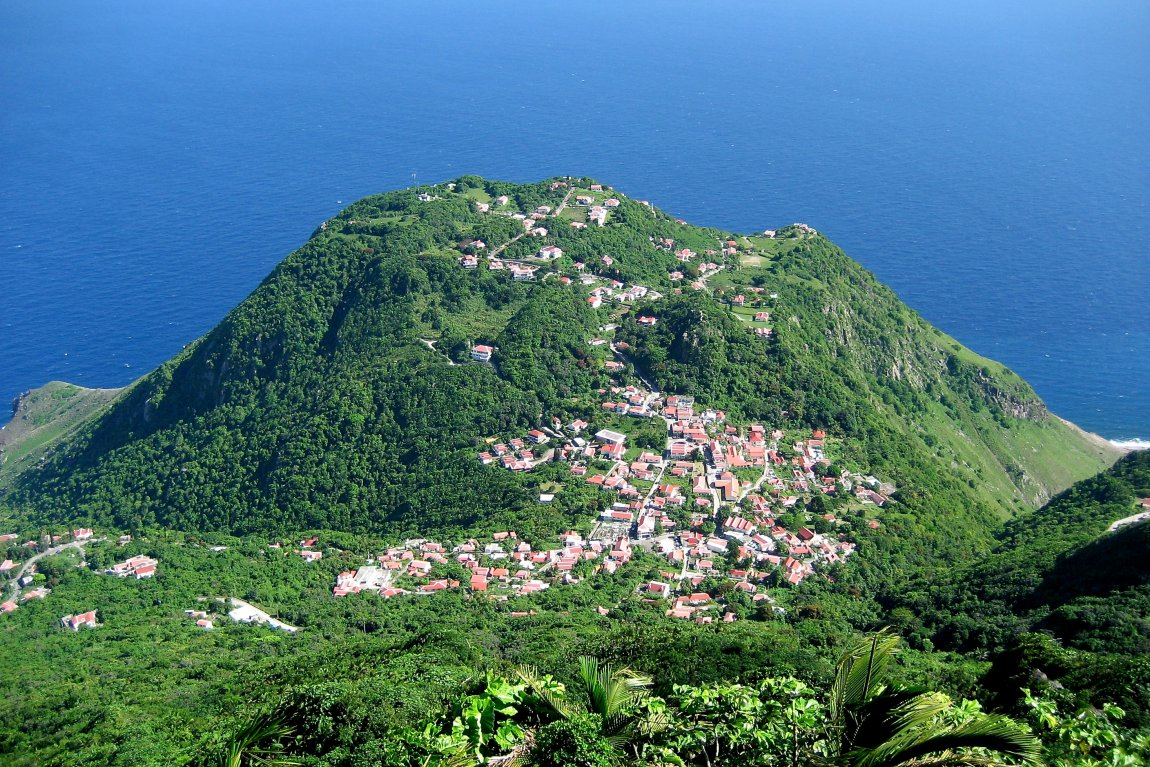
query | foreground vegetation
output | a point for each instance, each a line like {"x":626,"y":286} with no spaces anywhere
{"x":368,"y":681}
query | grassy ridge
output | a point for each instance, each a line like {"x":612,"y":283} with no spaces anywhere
{"x":44,"y":416}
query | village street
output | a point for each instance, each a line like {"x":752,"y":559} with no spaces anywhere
{"x":13,"y":586}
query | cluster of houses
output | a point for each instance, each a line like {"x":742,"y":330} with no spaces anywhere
{"x":519,"y":272}
{"x":754,"y":545}
{"x":518,"y":454}
{"x":614,"y":290}
{"x":712,"y":474}
{"x":597,"y":214}
{"x":505,"y":564}
{"x":27,"y":578}
{"x":79,"y":534}
{"x":522,"y":269}
{"x":138,"y":567}
{"x":40,"y":592}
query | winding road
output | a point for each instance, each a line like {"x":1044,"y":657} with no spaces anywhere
{"x":13,"y":587}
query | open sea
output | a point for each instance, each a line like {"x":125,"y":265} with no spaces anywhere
{"x":990,"y":160}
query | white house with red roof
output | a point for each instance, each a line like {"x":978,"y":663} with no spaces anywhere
{"x":76,"y":622}
{"x":482,"y":353}
{"x":140,"y":566}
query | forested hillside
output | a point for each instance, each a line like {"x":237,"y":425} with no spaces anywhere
{"x":1059,"y":568}
{"x":336,"y":396}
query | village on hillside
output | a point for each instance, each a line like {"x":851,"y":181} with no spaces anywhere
{"x":24,"y":584}
{"x":593,"y":205}
{"x":718,"y":501}
{"x":710,"y":502}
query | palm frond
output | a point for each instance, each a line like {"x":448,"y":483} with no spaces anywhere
{"x":610,"y":691}
{"x":252,"y":743}
{"x":860,"y":671}
{"x":954,"y":759}
{"x":546,"y":693}
{"x":876,"y":720}
{"x":920,"y":710}
{"x":998,"y":734}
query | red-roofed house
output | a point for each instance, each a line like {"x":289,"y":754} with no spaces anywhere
{"x":659,"y":588}
{"x":74,"y":622}
{"x":614,"y":452}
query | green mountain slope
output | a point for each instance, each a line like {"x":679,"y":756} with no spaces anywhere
{"x":339,"y":394}
{"x":1059,"y":569}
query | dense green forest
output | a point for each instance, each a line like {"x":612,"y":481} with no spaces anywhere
{"x":341,"y":399}
{"x":1060,"y":594}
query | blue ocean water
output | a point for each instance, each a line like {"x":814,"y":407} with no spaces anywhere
{"x":988,"y":160}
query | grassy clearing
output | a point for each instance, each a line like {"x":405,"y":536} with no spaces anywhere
{"x":45,"y":416}
{"x":769,"y":246}
{"x":477,"y":194}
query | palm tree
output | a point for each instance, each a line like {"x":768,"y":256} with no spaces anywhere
{"x":615,"y":695}
{"x":876,"y":726}
{"x":256,"y":744}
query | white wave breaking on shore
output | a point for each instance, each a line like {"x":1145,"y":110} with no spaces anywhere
{"x":1134,"y":443}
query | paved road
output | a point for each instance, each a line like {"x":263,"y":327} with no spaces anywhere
{"x":13,"y":587}
{"x":495,"y":253}
{"x":703,"y":278}
{"x":1130,"y":520}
